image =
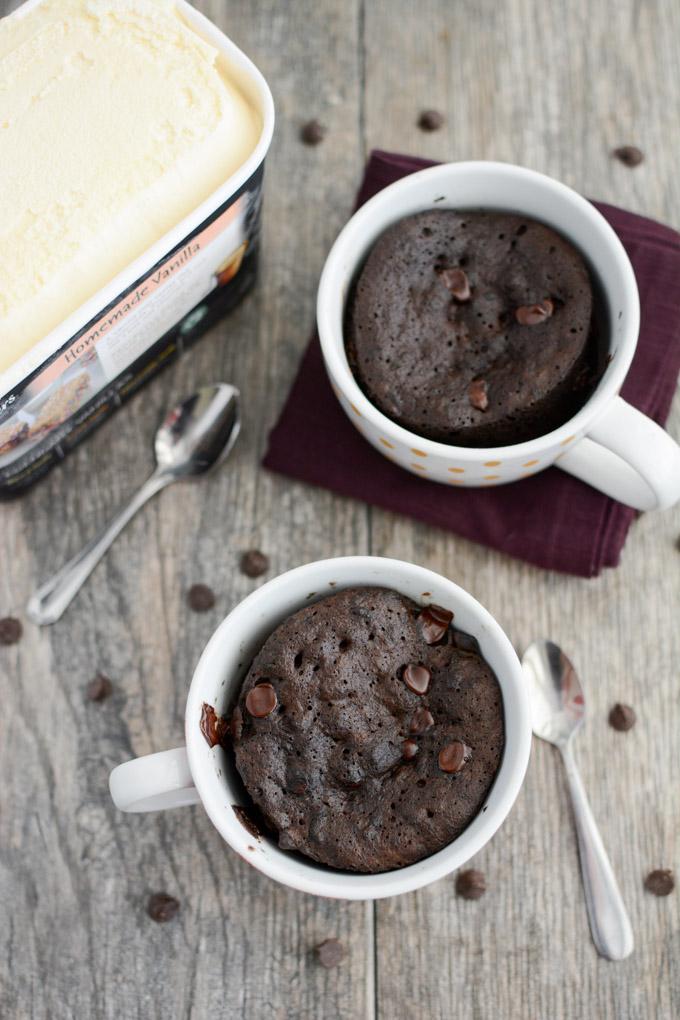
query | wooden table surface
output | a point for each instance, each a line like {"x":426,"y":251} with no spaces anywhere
{"x":554,"y":86}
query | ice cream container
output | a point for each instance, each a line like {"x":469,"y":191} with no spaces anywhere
{"x":72,"y":378}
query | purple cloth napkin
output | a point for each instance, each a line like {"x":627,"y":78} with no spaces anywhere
{"x":550,"y":520}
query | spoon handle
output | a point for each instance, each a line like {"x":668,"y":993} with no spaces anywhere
{"x":609,"y":923}
{"x":50,"y":601}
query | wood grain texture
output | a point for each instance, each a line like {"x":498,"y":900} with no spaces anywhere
{"x":549,"y":85}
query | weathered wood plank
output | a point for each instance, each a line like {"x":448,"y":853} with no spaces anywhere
{"x":74,"y":873}
{"x":554,"y":87}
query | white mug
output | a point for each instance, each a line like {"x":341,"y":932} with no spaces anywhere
{"x":198,"y":773}
{"x":608,"y":444}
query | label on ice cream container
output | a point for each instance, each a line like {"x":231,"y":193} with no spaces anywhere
{"x":92,"y":373}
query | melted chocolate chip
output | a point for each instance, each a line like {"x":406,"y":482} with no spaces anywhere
{"x":421,"y":721}
{"x":201,"y":598}
{"x":466,"y":642}
{"x":622,"y":717}
{"x":254,"y":563}
{"x":454,"y":756}
{"x":99,"y":689}
{"x":534,"y":315}
{"x":330,"y":953}
{"x":161,"y":907}
{"x":416,"y":677}
{"x":261,"y":700}
{"x":10,"y":630}
{"x":434,"y":623}
{"x":246,"y":821}
{"x":456,"y":281}
{"x":629,"y":155}
{"x":477,"y":394}
{"x":312,"y":132}
{"x":409,"y":750}
{"x":660,"y":882}
{"x":213,"y":726}
{"x":470,"y":884}
{"x":430,"y":120}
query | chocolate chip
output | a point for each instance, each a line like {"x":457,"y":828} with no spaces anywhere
{"x":456,"y":281}
{"x":430,"y":120}
{"x":421,"y":721}
{"x":297,"y":785}
{"x":470,"y":884}
{"x":454,"y":756}
{"x":434,"y":623}
{"x":534,"y":315}
{"x":466,"y":642}
{"x":409,"y":750}
{"x":10,"y":630}
{"x":660,"y":882}
{"x":201,"y":598}
{"x":477,"y":394}
{"x":254,"y":563}
{"x":312,"y":132}
{"x":261,"y":700}
{"x":246,"y":821}
{"x":629,"y":155}
{"x":213,"y":726}
{"x":162,"y":907}
{"x":416,"y":678}
{"x":330,"y":953}
{"x":622,"y":717}
{"x":99,"y":689}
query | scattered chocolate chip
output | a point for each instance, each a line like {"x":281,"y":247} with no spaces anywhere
{"x":534,"y":315}
{"x":422,"y":721}
{"x":213,"y":727}
{"x":99,"y":689}
{"x":454,"y":756}
{"x":456,"y":281}
{"x":246,"y":821}
{"x":261,"y":700}
{"x":162,"y":907}
{"x":254,"y":563}
{"x":416,"y":678}
{"x":312,"y":132}
{"x":466,"y":642}
{"x":430,"y":120}
{"x":297,"y":784}
{"x":622,"y":717}
{"x":660,"y":882}
{"x":629,"y":155}
{"x":330,"y":953}
{"x":409,"y":749}
{"x":470,"y":884}
{"x":477,"y":394}
{"x":434,"y":623}
{"x":201,"y":598}
{"x":10,"y":630}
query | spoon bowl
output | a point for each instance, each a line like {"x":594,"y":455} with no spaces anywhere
{"x":200,"y":432}
{"x":557,"y":700}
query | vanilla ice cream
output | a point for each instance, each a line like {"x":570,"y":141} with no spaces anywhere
{"x":116,"y":120}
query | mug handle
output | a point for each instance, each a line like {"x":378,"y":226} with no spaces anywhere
{"x":629,"y":457}
{"x":154,"y":782}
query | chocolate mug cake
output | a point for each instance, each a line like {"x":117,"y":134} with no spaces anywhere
{"x":473,"y":328}
{"x":368,"y":730}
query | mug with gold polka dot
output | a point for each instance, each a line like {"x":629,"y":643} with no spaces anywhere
{"x":608,"y":444}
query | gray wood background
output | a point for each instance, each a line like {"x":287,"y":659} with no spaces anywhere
{"x":549,"y":84}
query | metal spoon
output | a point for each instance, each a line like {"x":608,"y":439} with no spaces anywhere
{"x":558,"y":710}
{"x":194,"y":437}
